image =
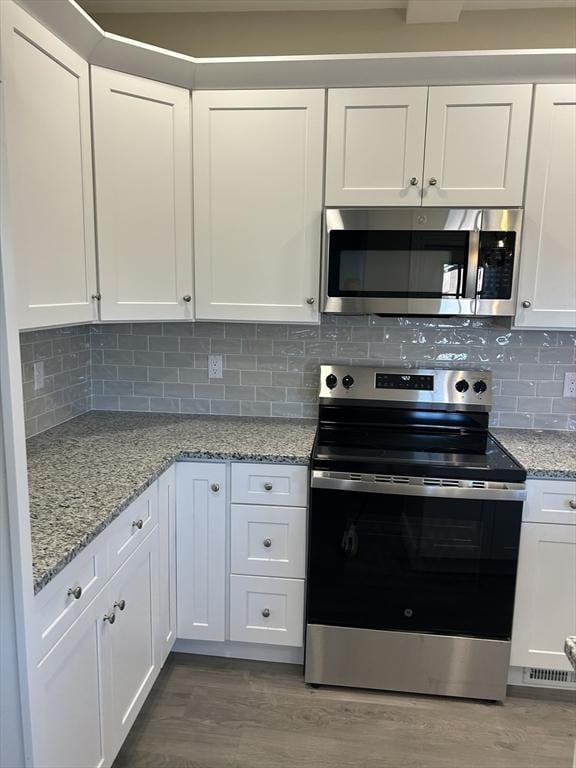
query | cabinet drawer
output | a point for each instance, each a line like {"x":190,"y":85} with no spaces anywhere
{"x":132,"y":527}
{"x":268,"y":541}
{"x":264,"y":610}
{"x":281,"y":484}
{"x":60,"y":603}
{"x":550,"y":501}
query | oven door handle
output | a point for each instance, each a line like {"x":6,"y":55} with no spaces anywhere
{"x":415,"y":486}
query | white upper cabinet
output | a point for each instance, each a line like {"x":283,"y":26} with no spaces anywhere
{"x":375,"y":146}
{"x":49,"y":166}
{"x":547,"y":281}
{"x":476,"y":144}
{"x":258,"y":159}
{"x":143,"y":179}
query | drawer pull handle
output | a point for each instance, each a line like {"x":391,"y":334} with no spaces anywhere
{"x":572,"y":504}
{"x":137,"y":524}
{"x":121,"y":604}
{"x":268,"y":486}
{"x":215,"y":487}
{"x":75,"y":592}
{"x":110,"y":617}
{"x":267,"y":543}
{"x":266,"y":613}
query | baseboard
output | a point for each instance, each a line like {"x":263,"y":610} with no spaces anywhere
{"x":251,"y":651}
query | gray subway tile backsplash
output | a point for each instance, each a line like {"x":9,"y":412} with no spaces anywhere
{"x":272,"y":369}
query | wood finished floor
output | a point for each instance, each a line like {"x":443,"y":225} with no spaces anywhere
{"x":205,"y":712}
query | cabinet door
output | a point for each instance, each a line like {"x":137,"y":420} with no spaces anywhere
{"x":66,"y":705}
{"x":258,"y":158}
{"x":49,"y":171}
{"x":545,"y":608}
{"x":143,"y":176}
{"x":548,"y":267}
{"x":476,"y":144}
{"x":375,"y":146}
{"x":130,"y":652}
{"x":201,"y":551}
{"x":167,"y":561}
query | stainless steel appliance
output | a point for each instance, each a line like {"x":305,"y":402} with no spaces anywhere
{"x":420,"y":261}
{"x":414,"y":526}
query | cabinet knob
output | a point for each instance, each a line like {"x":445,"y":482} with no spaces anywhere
{"x":137,"y":524}
{"x":110,"y":617}
{"x":96,"y":296}
{"x":266,"y":613}
{"x":572,"y":504}
{"x":433,"y":181}
{"x":267,"y":543}
{"x":215,"y":487}
{"x":187,"y":298}
{"x":526,"y":304}
{"x":268,"y":486}
{"x":75,"y":592}
{"x":413,"y":181}
{"x":310,"y":300}
{"x":121,"y":604}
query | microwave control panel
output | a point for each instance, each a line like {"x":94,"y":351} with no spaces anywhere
{"x":495,"y":265}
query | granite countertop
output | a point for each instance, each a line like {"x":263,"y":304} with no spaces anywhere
{"x":83,"y":473}
{"x":570,"y":650}
{"x":544,"y":453}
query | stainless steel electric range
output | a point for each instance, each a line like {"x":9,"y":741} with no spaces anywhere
{"x":414,"y":526}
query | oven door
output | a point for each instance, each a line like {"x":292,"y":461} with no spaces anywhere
{"x":401,"y":261}
{"x":413,"y":563}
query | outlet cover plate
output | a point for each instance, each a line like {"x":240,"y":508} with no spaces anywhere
{"x":215,"y":366}
{"x":569,"y":384}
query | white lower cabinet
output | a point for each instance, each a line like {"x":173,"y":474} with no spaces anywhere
{"x":67,"y":707}
{"x":545,"y":607}
{"x":201,"y":551}
{"x":266,"y":610}
{"x":167,"y":562}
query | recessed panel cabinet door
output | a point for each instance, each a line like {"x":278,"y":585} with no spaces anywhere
{"x":201,"y":551}
{"x":476,"y":145}
{"x":49,"y":205}
{"x":375,"y":146}
{"x":143,"y":178}
{"x":130,"y":654}
{"x":547,"y":284}
{"x":167,"y":561}
{"x":258,"y":159}
{"x":67,"y":708}
{"x":545,"y":606}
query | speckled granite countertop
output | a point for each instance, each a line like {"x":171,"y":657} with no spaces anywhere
{"x":570,"y":650}
{"x":544,"y":453}
{"x":83,"y":473}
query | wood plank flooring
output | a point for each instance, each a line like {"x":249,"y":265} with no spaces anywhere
{"x":208,"y":712}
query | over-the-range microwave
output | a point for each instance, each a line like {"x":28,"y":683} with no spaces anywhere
{"x":415,"y":261}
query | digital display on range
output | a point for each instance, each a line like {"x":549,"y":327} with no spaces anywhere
{"x":403,"y":381}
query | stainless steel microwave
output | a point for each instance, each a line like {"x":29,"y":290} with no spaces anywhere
{"x":417,"y":261}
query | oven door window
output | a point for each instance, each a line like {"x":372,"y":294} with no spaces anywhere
{"x":410,"y":563}
{"x":398,"y":264}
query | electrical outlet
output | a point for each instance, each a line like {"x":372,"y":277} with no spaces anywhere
{"x":39,"y":375}
{"x":214,"y":366}
{"x":569,"y":384}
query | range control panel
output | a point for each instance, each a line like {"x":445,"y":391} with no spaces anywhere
{"x":440,"y":386}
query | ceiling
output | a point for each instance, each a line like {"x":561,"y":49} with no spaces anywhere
{"x":416,"y":10}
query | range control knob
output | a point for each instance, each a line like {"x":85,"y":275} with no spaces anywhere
{"x":347,"y":381}
{"x":462,"y":386}
{"x":479,"y":387}
{"x":331,"y":381}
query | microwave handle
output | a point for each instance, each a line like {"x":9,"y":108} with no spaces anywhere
{"x":471,"y":288}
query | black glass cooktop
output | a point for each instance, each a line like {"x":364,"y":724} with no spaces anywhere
{"x":436,"y":447}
